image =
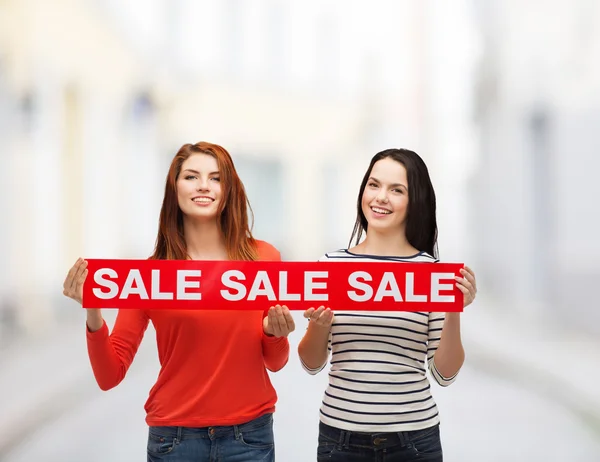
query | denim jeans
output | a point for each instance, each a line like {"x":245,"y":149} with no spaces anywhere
{"x":337,"y":445}
{"x":249,"y":442}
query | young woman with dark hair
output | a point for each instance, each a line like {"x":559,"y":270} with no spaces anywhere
{"x":378,"y":405}
{"x":213,"y":399}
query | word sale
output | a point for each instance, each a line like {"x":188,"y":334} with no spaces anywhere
{"x":273,"y":286}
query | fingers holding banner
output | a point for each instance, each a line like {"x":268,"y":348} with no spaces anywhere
{"x":467,"y":285}
{"x":308,"y":313}
{"x":279,"y":322}
{"x":321,"y":316}
{"x":73,"y":285}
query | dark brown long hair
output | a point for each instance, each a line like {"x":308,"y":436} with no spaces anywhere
{"x":421,"y":223}
{"x":233,"y":209}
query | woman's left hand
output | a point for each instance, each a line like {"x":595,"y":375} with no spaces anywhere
{"x":279,"y":322}
{"x":467,"y":285}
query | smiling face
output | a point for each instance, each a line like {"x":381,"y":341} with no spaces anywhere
{"x":198,"y":187}
{"x":385,"y":197}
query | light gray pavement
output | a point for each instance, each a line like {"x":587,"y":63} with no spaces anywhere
{"x":557,"y":363}
{"x":506,"y":405}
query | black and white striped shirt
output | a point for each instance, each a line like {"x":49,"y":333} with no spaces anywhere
{"x":377,"y":380}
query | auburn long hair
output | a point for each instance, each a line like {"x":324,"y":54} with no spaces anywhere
{"x":233,"y":209}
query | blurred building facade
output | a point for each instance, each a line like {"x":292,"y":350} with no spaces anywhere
{"x":66,"y":84}
{"x":97,"y":96}
{"x":534,"y":189}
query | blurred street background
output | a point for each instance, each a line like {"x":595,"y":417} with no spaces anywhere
{"x":500,"y":97}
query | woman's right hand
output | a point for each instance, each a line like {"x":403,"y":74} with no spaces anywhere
{"x":312,"y":348}
{"x":73,"y":285}
{"x":322,"y":317}
{"x":73,"y":288}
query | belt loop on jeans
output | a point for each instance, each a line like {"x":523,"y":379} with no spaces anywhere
{"x":340,"y":439}
{"x":179,"y":432}
{"x":404,"y":439}
{"x":236,"y":430}
{"x":344,"y":440}
{"x":347,"y":440}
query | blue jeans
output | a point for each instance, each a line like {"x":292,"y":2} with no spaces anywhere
{"x":249,"y":442}
{"x":337,"y":445}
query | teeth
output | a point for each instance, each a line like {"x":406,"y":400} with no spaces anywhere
{"x":202,"y":199}
{"x":378,"y":210}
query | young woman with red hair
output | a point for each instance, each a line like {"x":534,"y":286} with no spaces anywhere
{"x":213,"y":399}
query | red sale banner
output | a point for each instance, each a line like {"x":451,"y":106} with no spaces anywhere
{"x":257,"y":285}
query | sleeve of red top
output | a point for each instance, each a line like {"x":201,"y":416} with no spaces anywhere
{"x":276,"y":350}
{"x":111,"y":355}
